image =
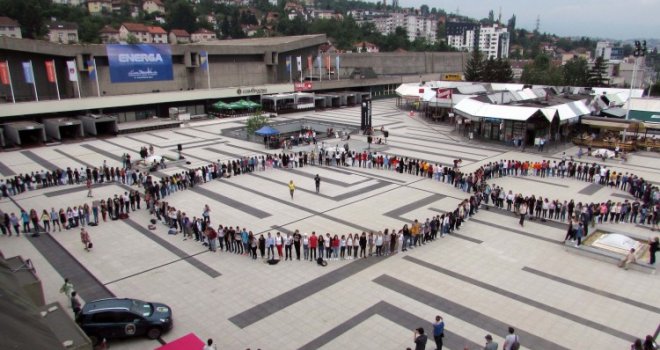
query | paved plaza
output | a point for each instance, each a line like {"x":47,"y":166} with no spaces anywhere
{"x":489,"y":275}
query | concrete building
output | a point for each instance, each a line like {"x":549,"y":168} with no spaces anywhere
{"x":109,"y":35}
{"x":153,"y":6}
{"x":68,"y":2}
{"x":143,"y":33}
{"x":10,"y":28}
{"x":158,"y":35}
{"x":493,"y":41}
{"x":416,"y":26}
{"x":462,"y":35}
{"x":238,"y":68}
{"x":98,"y":7}
{"x":604,"y":50}
{"x":203,"y":35}
{"x":365,"y":46}
{"x":179,"y":36}
{"x":63,"y":32}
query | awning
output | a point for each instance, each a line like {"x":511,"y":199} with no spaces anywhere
{"x":615,"y":112}
{"x":602,"y":123}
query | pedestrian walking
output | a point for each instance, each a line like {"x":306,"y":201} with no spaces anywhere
{"x":89,"y":188}
{"x":438,"y":331}
{"x":84,"y":238}
{"x":419,"y":338}
{"x":490,"y":344}
{"x":75,"y":304}
{"x":292,"y":188}
{"x":523,"y":213}
{"x":317,"y":181}
{"x":67,"y":288}
{"x":654,"y":246}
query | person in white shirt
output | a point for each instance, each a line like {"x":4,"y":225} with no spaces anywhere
{"x":510,"y":339}
{"x":209,"y":345}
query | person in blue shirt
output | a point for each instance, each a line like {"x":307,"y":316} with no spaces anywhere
{"x":26,"y":221}
{"x":438,"y":331}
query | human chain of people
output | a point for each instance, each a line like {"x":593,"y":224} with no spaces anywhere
{"x":645,"y":208}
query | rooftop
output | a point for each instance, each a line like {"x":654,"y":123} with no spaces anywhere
{"x":8,"y":22}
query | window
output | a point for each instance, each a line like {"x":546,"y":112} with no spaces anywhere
{"x":105,"y":317}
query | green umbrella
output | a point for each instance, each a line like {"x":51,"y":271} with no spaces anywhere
{"x":235,"y":105}
{"x":252,"y":104}
{"x":220,"y":105}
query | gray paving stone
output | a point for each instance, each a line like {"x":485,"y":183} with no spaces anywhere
{"x":466,"y":314}
{"x":533,"y":303}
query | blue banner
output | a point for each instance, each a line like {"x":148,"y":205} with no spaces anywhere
{"x":204,"y":60}
{"x":28,"y":73}
{"x":139,"y":63}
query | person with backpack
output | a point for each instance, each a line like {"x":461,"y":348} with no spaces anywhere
{"x":511,"y":342}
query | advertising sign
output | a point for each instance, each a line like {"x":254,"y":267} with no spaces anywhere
{"x":304,"y":86}
{"x":139,"y":63}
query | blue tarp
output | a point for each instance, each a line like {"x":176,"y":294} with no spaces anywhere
{"x":267,"y":131}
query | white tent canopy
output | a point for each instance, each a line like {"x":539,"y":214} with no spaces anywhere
{"x":476,"y":109}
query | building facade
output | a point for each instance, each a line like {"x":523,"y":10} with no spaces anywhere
{"x":493,"y":41}
{"x":63,"y":32}
{"x":10,"y":28}
{"x":416,"y":26}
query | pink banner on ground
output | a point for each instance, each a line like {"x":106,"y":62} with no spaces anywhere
{"x":187,"y":342}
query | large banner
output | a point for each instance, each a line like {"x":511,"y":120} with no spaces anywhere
{"x":139,"y":63}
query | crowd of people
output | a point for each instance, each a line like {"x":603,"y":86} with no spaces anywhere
{"x":313,"y":246}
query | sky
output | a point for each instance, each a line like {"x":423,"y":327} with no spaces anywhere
{"x":612,"y":19}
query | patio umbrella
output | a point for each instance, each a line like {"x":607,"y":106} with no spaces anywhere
{"x":267,"y":130}
{"x":219,"y":105}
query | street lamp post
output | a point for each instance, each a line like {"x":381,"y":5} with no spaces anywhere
{"x":640,"y":51}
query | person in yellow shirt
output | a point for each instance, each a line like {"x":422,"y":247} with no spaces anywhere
{"x":414,"y":232}
{"x":292,"y":188}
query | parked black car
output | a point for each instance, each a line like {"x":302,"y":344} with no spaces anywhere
{"x":121,"y":318}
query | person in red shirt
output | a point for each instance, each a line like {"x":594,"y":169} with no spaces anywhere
{"x":313,"y":243}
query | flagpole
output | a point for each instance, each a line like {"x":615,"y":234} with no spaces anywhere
{"x":319,"y":61}
{"x":57,"y":85}
{"x":96,"y":75}
{"x":34,"y":82}
{"x":11,"y":85}
{"x":78,"y":84}
{"x":208,"y":71}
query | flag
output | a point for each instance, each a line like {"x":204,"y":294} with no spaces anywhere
{"x":327,"y":62}
{"x":310,"y":66}
{"x":28,"y":73}
{"x":91,"y":68}
{"x":4,"y":73}
{"x":318,"y":61}
{"x":299,"y":63}
{"x":337,"y":64}
{"x":443,"y":94}
{"x":71,"y":69}
{"x":288,"y":63}
{"x":204,"y":60}
{"x":50,"y":71}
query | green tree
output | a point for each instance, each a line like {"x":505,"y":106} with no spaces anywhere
{"x":598,"y":73}
{"x":29,"y":14}
{"x":542,"y":71}
{"x":474,"y":68}
{"x":489,"y":72}
{"x":181,"y":15}
{"x":576,"y":72}
{"x":504,"y":73}
{"x":255,"y":122}
{"x":131,"y":39}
